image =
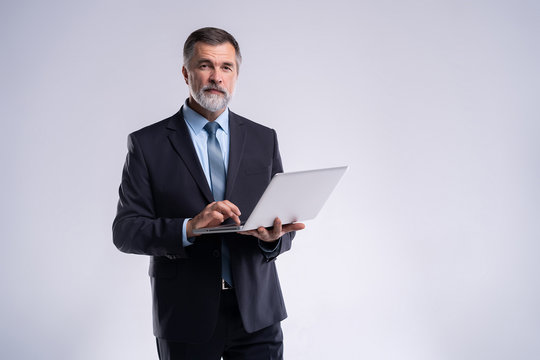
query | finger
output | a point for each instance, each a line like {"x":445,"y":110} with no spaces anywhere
{"x":249,"y":232}
{"x":254,"y":233}
{"x":233,"y":207}
{"x":236,"y":219}
{"x":234,"y":212}
{"x":205,"y":219}
{"x":228,"y":208}
{"x":293,"y":227}
{"x":214,"y":218}
{"x":263,"y":233}
{"x":224,"y":209}
{"x":276,"y":230}
{"x":210,"y":206}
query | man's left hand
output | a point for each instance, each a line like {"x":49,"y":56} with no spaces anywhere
{"x":277,"y":231}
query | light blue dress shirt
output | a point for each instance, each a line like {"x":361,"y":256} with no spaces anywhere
{"x":195,"y":123}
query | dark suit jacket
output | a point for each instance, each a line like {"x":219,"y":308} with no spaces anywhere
{"x":162,"y":184}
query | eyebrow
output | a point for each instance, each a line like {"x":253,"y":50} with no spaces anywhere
{"x":227,"y":63}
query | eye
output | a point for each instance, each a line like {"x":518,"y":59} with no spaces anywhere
{"x":203,"y":66}
{"x":227,"y":68}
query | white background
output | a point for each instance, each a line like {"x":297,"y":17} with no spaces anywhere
{"x":427,"y":250}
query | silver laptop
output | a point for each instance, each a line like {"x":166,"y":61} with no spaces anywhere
{"x":292,"y":197}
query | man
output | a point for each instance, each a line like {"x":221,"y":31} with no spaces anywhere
{"x":213,"y":295}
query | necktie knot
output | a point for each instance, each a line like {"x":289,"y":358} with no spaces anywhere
{"x":211,"y":127}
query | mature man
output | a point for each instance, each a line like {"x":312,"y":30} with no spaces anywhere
{"x":213,"y":295}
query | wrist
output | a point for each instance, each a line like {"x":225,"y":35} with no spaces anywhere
{"x":189,"y":229}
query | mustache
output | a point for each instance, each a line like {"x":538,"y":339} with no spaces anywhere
{"x":215,"y":87}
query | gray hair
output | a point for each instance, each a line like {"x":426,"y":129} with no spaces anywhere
{"x":210,"y":36}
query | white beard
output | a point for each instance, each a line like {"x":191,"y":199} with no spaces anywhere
{"x":211,"y":102}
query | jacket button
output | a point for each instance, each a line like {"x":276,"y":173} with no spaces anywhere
{"x":216,"y":253}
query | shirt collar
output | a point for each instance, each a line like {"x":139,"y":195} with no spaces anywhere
{"x":197,"y":122}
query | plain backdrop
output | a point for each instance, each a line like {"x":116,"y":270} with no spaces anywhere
{"x":429,"y":249}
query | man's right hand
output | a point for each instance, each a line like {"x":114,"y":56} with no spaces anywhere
{"x":212,"y":215}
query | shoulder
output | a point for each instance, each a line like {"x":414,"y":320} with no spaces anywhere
{"x":250,"y":124}
{"x":157,"y":131}
{"x":156,"y":128}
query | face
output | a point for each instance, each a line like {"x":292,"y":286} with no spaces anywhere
{"x":211,"y":75}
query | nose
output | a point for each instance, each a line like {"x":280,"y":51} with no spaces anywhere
{"x":216,"y":76}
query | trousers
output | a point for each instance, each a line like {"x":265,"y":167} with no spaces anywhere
{"x":230,"y":341}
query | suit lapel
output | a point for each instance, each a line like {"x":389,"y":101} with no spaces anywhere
{"x":236,"y":150}
{"x":182,"y":143}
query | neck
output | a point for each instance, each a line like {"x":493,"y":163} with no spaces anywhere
{"x":208,"y":115}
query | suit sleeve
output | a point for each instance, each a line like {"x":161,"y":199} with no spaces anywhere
{"x":284,"y":243}
{"x":136,"y":229}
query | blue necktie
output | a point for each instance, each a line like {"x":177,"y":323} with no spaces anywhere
{"x":218,"y":179}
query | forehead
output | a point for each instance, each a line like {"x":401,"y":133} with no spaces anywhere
{"x":217,"y":53}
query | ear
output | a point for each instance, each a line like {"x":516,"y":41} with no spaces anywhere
{"x":185,"y":73}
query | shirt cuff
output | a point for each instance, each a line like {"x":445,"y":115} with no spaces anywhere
{"x":271,"y":247}
{"x":185,"y":240}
